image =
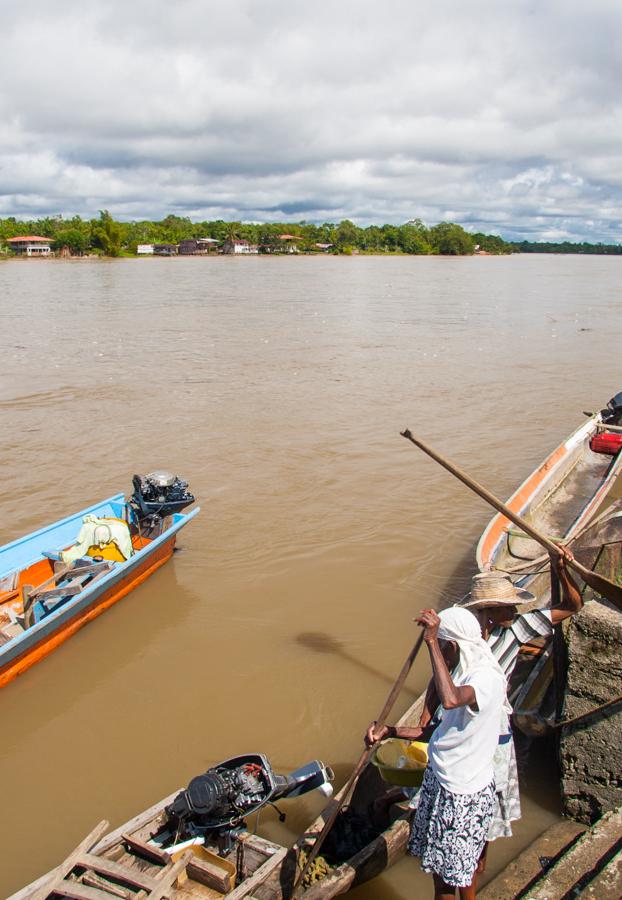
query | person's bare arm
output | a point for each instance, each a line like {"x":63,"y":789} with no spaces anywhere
{"x":571,"y":599}
{"x":430,"y":704}
{"x":449,"y":694}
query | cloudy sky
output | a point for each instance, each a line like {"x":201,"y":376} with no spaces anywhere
{"x":503,"y":115}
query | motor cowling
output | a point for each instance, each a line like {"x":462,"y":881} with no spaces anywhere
{"x":613,"y":411}
{"x":159,"y":494}
{"x":221,"y":797}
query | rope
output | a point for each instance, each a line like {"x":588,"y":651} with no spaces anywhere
{"x":586,"y":715}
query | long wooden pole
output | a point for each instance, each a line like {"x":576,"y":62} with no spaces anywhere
{"x":602,"y":586}
{"x":363,"y":761}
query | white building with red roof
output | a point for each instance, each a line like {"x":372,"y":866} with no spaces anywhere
{"x":30,"y":245}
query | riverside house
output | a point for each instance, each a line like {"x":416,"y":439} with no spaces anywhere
{"x":289,"y":243}
{"x":30,"y":245}
{"x":239,"y":246}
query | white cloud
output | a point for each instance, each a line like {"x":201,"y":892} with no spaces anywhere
{"x":505,"y":115}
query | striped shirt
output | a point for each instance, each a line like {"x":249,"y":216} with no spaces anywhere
{"x":506,"y":642}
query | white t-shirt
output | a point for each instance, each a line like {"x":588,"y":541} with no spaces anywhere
{"x":463,"y":746}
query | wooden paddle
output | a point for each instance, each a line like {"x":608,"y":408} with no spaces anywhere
{"x":363,"y":761}
{"x":602,"y":586}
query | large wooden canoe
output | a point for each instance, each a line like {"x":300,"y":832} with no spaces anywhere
{"x":559,"y":499}
{"x":43,"y":601}
{"x":126,"y":859}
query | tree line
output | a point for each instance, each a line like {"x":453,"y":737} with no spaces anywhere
{"x":106,"y":236}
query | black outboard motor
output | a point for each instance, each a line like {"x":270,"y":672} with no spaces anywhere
{"x":613,"y":413}
{"x":216,"y":802}
{"x":156,"y":496}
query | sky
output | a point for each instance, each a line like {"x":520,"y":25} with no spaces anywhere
{"x":502,"y":115}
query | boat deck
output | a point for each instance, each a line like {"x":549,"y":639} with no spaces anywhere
{"x":555,"y":512}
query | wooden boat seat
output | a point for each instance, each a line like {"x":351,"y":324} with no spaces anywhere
{"x":56,"y":590}
{"x":101,"y":878}
{"x":8,"y":632}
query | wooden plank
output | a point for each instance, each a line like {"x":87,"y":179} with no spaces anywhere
{"x":57,"y":875}
{"x":139,"y":821}
{"x":66,"y":590}
{"x":90,"y":879}
{"x":78,"y":891}
{"x":51,"y":580}
{"x":27,"y":606}
{"x":209,"y":874}
{"x":67,"y":570}
{"x":249,"y":884}
{"x":268,"y":848}
{"x":111,"y":869}
{"x":167,"y":877}
{"x":145,"y":850}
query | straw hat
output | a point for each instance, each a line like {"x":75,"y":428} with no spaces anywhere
{"x":495,"y":589}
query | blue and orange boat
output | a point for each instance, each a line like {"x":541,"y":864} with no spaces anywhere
{"x":55,"y":580}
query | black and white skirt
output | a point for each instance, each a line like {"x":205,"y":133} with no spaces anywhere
{"x":450,"y":830}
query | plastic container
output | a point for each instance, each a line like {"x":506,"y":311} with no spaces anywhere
{"x":606,"y":443}
{"x":401,"y":762}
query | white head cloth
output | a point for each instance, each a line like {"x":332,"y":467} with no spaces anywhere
{"x":461,"y":626}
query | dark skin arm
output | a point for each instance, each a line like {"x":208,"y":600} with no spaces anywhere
{"x":571,"y":599}
{"x":449,"y":694}
{"x":430,"y":704}
{"x":441,"y":688}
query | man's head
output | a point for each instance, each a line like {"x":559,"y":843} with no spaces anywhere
{"x":495,"y":616}
{"x":495,"y":600}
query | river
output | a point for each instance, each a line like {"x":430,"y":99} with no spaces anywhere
{"x":277,"y":387}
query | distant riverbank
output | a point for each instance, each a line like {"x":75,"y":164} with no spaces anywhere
{"x":178,"y":236}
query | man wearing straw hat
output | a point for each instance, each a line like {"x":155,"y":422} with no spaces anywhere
{"x":501,"y":608}
{"x":497,"y":603}
{"x":507,"y":623}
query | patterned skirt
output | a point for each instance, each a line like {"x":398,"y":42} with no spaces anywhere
{"x":450,"y":830}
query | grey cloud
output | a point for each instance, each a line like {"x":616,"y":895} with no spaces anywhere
{"x":506,"y":115}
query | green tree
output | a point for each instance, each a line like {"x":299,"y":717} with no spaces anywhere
{"x":450,"y":239}
{"x":347,"y":234}
{"x":107,"y":234}
{"x":414,"y":238}
{"x":491,"y":243}
{"x":75,"y":238}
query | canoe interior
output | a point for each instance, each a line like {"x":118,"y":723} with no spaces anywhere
{"x":392,"y":827}
{"x":563,"y":493}
{"x":43,"y":602}
{"x":25,"y":551}
{"x":13,"y":578}
{"x":126,"y":860}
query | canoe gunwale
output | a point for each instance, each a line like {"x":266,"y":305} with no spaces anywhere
{"x":17,"y":542}
{"x":554,"y":470}
{"x":121,"y":573}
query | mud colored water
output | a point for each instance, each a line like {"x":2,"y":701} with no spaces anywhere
{"x":278,"y":388}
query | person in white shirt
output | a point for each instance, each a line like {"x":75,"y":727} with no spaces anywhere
{"x":457,"y":798}
{"x":508,"y":620}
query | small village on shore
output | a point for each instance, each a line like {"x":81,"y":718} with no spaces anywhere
{"x":176,"y":236}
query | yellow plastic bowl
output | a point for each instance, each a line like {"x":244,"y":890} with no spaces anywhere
{"x":401,"y":762}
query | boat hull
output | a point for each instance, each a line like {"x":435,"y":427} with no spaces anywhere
{"x":39,"y":649}
{"x":28,"y":554}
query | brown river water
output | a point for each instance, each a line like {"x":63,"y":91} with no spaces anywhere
{"x":277,"y":388}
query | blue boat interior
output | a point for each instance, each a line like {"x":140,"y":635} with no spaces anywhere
{"x":35,"y":582}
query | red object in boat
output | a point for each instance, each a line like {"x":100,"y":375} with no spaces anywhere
{"x":606,"y":443}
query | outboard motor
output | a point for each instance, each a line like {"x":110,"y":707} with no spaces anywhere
{"x":613,"y":412}
{"x":216,"y":802}
{"x":156,"y":496}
